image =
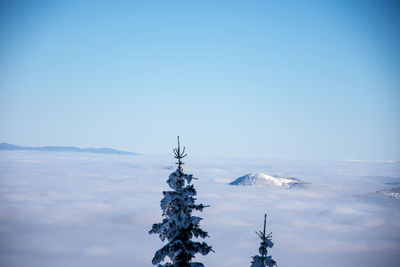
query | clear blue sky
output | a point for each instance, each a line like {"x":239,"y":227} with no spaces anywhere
{"x":277,"y":79}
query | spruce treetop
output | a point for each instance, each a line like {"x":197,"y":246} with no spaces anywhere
{"x":264,"y":260}
{"x":178,"y":225}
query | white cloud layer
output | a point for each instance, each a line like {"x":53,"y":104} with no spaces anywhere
{"x":68,"y":209}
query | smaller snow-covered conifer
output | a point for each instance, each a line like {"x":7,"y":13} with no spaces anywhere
{"x":264,"y":260}
{"x":178,"y":225}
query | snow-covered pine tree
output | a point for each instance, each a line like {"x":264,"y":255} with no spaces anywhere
{"x":264,"y":260}
{"x":178,"y":225}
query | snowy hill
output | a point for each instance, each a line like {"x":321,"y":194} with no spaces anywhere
{"x":390,"y":193}
{"x":262,"y":179}
{"x":6,"y":146}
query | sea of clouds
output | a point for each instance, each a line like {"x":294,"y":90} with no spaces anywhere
{"x":83,"y":209}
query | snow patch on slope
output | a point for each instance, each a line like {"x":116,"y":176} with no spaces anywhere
{"x":390,"y":193}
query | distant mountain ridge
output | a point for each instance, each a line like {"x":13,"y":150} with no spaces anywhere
{"x":262,"y":179}
{"x":102,"y":150}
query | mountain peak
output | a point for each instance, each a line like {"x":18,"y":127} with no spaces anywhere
{"x":262,"y":179}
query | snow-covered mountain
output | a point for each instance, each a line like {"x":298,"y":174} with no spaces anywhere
{"x":262,"y":179}
{"x":390,"y":193}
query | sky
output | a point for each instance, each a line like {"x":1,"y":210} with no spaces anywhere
{"x":273,"y":79}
